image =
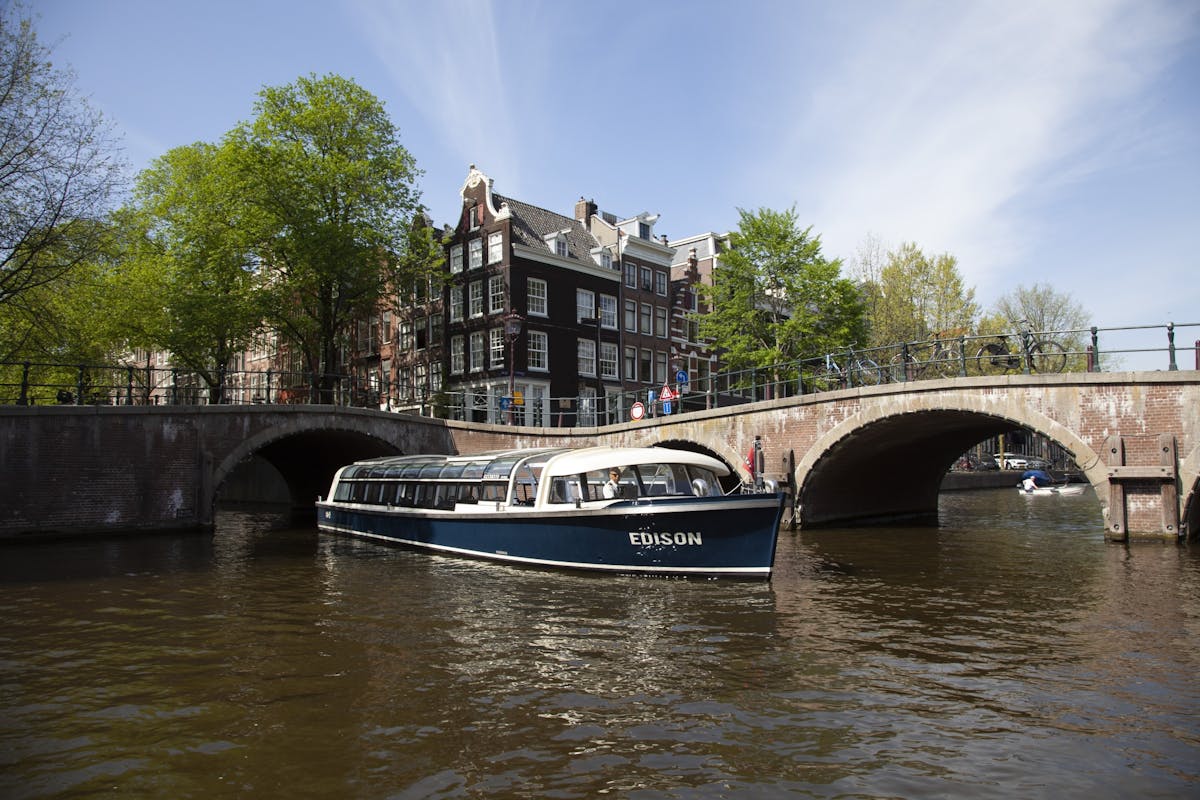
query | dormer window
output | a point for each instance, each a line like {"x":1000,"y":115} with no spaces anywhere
{"x":557,"y":242}
{"x":643,"y":230}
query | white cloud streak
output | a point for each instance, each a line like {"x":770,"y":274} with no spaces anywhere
{"x":941,"y":116}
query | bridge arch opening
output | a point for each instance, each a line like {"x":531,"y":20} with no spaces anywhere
{"x":304,"y":460}
{"x":729,"y":482}
{"x":890,"y":469}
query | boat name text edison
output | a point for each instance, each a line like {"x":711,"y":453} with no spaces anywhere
{"x":677,"y":538}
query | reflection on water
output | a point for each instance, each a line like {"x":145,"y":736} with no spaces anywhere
{"x":1011,"y":651}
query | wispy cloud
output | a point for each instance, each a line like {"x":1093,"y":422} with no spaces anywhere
{"x":937,"y":117}
{"x":444,"y":57}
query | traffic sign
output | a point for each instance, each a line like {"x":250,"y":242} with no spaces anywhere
{"x":666,"y":395}
{"x":681,"y":377}
{"x":518,"y":398}
{"x":637,"y":411}
{"x":666,"y":406}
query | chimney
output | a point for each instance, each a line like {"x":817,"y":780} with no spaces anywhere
{"x":584,"y":211}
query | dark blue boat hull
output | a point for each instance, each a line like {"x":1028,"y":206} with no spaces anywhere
{"x":727,"y":536}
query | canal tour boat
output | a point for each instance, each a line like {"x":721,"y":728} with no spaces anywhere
{"x":647,"y":510}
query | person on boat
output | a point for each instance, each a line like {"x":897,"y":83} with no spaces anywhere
{"x":1035,"y":478}
{"x":612,"y":489}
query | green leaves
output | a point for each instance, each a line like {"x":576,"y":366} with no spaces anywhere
{"x":776,"y":298}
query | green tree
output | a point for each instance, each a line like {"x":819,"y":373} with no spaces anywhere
{"x":1050,"y":314}
{"x":192,"y":278}
{"x":913,"y":297}
{"x":775,"y":298}
{"x":333,"y":196}
{"x":59,"y":168}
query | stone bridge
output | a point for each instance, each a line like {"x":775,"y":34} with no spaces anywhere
{"x":854,"y":456}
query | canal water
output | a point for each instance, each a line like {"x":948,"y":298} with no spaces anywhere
{"x":1010,"y":652}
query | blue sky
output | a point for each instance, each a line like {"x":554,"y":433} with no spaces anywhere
{"x":1035,"y":141}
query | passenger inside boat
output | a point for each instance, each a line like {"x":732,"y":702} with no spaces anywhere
{"x":612,"y":489}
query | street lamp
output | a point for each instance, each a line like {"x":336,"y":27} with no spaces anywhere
{"x":512,"y":329}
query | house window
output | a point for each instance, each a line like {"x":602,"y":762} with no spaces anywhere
{"x":406,"y":336}
{"x":456,"y":355}
{"x":456,"y":259}
{"x":476,"y":351}
{"x":585,"y":304}
{"x":538,"y":359}
{"x":608,"y":360}
{"x":496,"y":347}
{"x":643,"y":230}
{"x":608,"y":311}
{"x":536,"y":303}
{"x":587,"y":357}
{"x":495,"y":247}
{"x":631,"y":316}
{"x":660,"y":322}
{"x":386,"y":330}
{"x":587,"y":406}
{"x":660,"y":366}
{"x":456,"y":305}
{"x":435,"y":377}
{"x":477,"y":299}
{"x":476,"y":216}
{"x":646,"y":366}
{"x":631,"y":274}
{"x":647,"y":279}
{"x":646,"y":312}
{"x":496,"y":294}
{"x":606,"y":260}
{"x":660,"y":283}
{"x":475,"y":248}
{"x":560,"y":246}
{"x":435,"y":329}
{"x":631,"y":363}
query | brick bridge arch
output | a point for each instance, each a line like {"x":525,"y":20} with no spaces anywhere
{"x":859,"y":455}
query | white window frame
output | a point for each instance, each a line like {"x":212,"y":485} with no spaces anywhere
{"x":585,"y":304}
{"x":660,"y":283}
{"x":456,"y":304}
{"x":476,"y":297}
{"x":608,"y":312}
{"x":496,"y":344}
{"x":496,"y":294}
{"x":456,"y":259}
{"x":660,"y":322}
{"x":586,"y":349}
{"x":477,"y":351}
{"x":475,"y":254}
{"x":608,"y":360}
{"x":539,"y":353}
{"x":631,"y":363}
{"x":495,"y":248}
{"x":631,"y":316}
{"x":457,"y":362}
{"x":537,"y":299}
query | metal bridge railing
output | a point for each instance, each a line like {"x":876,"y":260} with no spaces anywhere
{"x":949,"y":354}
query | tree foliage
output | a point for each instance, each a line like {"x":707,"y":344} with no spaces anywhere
{"x":1049,"y":313}
{"x":191,"y":267}
{"x":912,"y":296}
{"x":332,"y":192}
{"x":58,"y":165}
{"x":775,"y":298}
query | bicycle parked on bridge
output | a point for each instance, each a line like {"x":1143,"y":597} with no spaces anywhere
{"x":861,"y":371}
{"x":937,"y":359}
{"x":1040,"y":355}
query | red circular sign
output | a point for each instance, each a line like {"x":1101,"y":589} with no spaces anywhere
{"x":637,"y":411}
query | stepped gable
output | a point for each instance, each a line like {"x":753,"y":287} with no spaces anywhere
{"x":530,"y":226}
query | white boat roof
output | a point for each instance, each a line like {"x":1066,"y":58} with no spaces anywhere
{"x":589,"y":459}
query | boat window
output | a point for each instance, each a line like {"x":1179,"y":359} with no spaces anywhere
{"x":474,"y":469}
{"x":704,"y":482}
{"x":431,"y":470}
{"x":501,"y":467}
{"x":426,"y":496}
{"x":493,"y":492}
{"x":665,"y":479}
{"x":344,"y":490}
{"x":453,"y":469}
{"x":525,"y":486}
{"x":566,"y":490}
{"x":468,"y":493}
{"x":627,"y":483}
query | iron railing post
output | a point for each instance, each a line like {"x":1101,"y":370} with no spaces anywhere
{"x":24,"y":398}
{"x":1171,"y":346}
{"x":1095,"y":349}
{"x":79,"y":385}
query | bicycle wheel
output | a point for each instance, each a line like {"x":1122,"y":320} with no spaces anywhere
{"x":902,"y":369}
{"x":1047,"y":356}
{"x":994,"y":359}
{"x":945,"y":364}
{"x":826,"y":379}
{"x":865,"y":372}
